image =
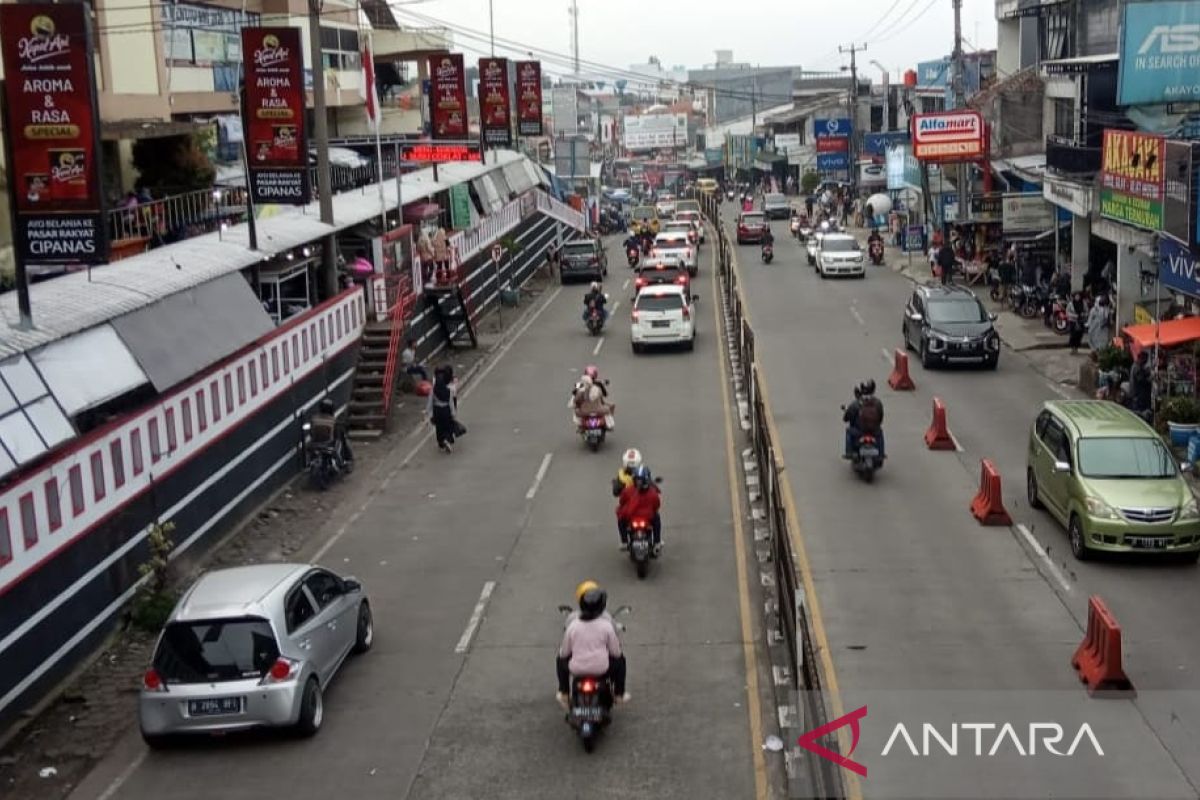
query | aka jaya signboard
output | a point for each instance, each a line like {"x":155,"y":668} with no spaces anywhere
{"x":1132,"y":178}
{"x":949,"y":136}
{"x":1160,"y":53}
{"x":275,"y":132}
{"x":53,"y":133}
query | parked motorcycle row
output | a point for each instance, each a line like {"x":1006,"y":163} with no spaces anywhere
{"x":1031,"y":302}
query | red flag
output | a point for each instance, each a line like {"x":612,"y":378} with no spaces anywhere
{"x":369,"y":91}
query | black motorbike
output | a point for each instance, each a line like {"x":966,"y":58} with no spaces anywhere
{"x":633,"y":256}
{"x":865,"y":457}
{"x":768,"y":253}
{"x":323,"y":461}
{"x":875,"y":251}
{"x":595,"y":320}
{"x":590,"y":704}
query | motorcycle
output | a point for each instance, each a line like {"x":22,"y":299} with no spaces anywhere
{"x":595,"y":321}
{"x":593,"y":431}
{"x":1057,"y":318}
{"x":633,"y":256}
{"x":794,"y":227}
{"x":1032,"y":299}
{"x":590,"y":704}
{"x":768,"y":253}
{"x":322,"y":460}
{"x":865,"y":458}
{"x":641,"y":550}
{"x":875,"y":250}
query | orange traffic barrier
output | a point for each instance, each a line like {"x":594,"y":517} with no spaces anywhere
{"x":899,"y":379}
{"x":1098,"y":659}
{"x":988,"y":505}
{"x":938,"y":437}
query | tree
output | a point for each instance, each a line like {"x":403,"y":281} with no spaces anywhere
{"x":809,"y":182}
{"x":172,"y":164}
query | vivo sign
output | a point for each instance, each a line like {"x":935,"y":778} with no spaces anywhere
{"x":952,"y":136}
{"x":1178,"y":268}
{"x":1160,"y":53}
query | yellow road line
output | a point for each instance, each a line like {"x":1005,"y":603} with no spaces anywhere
{"x":749,"y":653}
{"x":852,"y":786}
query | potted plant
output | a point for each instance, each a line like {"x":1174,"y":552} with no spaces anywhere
{"x":1182,"y":418}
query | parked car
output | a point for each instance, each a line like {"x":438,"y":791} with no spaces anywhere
{"x":663,"y":314}
{"x":776,"y":206}
{"x":253,"y":646}
{"x":947,"y":324}
{"x":583,"y":258}
{"x":838,"y":254}
{"x":1107,"y":477}
{"x":750,"y":227}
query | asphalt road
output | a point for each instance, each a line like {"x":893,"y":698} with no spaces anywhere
{"x":924,"y":610}
{"x":416,"y":719}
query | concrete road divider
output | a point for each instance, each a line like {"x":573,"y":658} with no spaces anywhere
{"x":899,"y":379}
{"x":988,"y":505}
{"x":938,"y":437}
{"x":1098,"y":659}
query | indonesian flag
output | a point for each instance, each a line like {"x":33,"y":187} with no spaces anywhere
{"x":369,"y":91}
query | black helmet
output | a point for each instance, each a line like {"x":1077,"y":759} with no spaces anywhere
{"x":868,"y":386}
{"x":326,"y":406}
{"x":592,"y":604}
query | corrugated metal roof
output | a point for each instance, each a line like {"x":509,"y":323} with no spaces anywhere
{"x":71,"y":303}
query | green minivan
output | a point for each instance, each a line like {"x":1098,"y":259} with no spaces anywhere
{"x":1105,"y":474}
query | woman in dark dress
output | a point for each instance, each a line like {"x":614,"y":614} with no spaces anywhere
{"x":443,"y":407}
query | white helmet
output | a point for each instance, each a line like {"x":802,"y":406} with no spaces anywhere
{"x":595,"y":286}
{"x":825,"y":225}
{"x":632,"y":459}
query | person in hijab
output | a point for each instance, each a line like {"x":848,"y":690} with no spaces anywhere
{"x":443,"y":408}
{"x":1099,"y":324}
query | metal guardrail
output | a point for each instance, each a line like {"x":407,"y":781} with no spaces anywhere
{"x":806,"y":680}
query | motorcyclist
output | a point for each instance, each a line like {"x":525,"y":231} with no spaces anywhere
{"x":588,"y":400}
{"x":630,"y":461}
{"x":591,"y":647}
{"x":595,"y":297}
{"x":326,"y":428}
{"x":632,"y":242}
{"x":641,"y":499}
{"x":858,"y":422}
{"x":593,"y":372}
{"x":647,"y":238}
{"x":768,"y":238}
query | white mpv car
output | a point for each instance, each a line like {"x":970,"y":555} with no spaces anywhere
{"x":839,"y":254}
{"x":663,"y":314}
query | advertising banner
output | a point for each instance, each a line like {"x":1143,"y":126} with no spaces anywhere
{"x":1177,"y":191}
{"x":786,"y":141}
{"x":460,"y":206}
{"x":1131,"y":178}
{"x":1178,"y":268}
{"x":494,"y":102}
{"x":276,"y":137}
{"x":1027,"y":212}
{"x":872,"y":174}
{"x":833,"y":144}
{"x":448,"y":96}
{"x":831,"y":126}
{"x":654,"y":131}
{"x":877,"y":144}
{"x":1074,"y":197}
{"x":948,"y":136}
{"x":53,"y":134}
{"x":1160,"y":53}
{"x":529,"y":98}
{"x":833,"y":162}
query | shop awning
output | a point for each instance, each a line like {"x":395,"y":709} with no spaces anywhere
{"x":1169,"y":333}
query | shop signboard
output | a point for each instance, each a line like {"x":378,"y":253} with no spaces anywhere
{"x":448,"y":96}
{"x":1026,"y":212}
{"x":833,"y":162}
{"x":53,"y":134}
{"x":785,"y":142}
{"x":1131,"y":178}
{"x":877,"y":144}
{"x":460,"y":206}
{"x":949,"y":136}
{"x":529,"y":98}
{"x":871,"y":174}
{"x":1177,"y":191}
{"x":495,"y":116}
{"x":1072,"y":196}
{"x":1160,"y":53}
{"x":914,"y":239}
{"x":1178,"y":269}
{"x":276,"y":135}
{"x":426,"y":153}
{"x":654,"y":131}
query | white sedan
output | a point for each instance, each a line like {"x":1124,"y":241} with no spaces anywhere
{"x":663,"y":314}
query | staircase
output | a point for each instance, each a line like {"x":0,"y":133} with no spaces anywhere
{"x":449,"y":303}
{"x":368,"y":405}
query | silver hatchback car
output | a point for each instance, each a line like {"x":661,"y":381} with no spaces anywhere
{"x":253,"y":647}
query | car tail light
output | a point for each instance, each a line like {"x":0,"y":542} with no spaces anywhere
{"x":282,"y":670}
{"x":153,"y":682}
{"x":587,"y":687}
{"x":634,"y":315}
{"x":686,"y":314}
{"x":639,"y":283}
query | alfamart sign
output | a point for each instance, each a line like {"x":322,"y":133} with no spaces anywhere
{"x":950,"y":136}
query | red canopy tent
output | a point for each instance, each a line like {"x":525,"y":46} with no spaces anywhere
{"x":1170,"y":333}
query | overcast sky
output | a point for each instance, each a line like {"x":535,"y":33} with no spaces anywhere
{"x":618,"y":33}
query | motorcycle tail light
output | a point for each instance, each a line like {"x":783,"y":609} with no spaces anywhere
{"x":587,"y":687}
{"x":868,"y":440}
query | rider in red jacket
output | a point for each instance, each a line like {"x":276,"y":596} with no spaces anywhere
{"x":640,"y":500}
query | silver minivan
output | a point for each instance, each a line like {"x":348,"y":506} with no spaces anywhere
{"x":251,"y":647}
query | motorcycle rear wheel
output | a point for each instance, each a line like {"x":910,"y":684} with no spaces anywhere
{"x":642,"y":567}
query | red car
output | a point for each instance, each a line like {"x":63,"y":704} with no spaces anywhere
{"x":750,"y":227}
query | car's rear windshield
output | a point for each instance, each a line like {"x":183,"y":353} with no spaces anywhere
{"x":579,"y":249}
{"x":215,"y":650}
{"x":956,"y":310}
{"x":673,"y":239}
{"x":839,"y":245}
{"x":659,"y":302}
{"x":775,"y":200}
{"x":752,"y":219}
{"x":644,"y":213}
{"x":1133,"y":457}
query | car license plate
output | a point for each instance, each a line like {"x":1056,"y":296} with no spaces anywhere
{"x":660,"y":324}
{"x":1148,"y":542}
{"x":214,"y":706}
{"x":588,"y":713}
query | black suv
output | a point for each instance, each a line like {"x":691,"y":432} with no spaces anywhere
{"x":583,"y":258}
{"x":947,"y":324}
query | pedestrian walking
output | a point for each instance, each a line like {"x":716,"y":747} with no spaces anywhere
{"x":945,"y":262}
{"x":441,"y":249}
{"x":443,"y":409}
{"x":1076,"y":314}
{"x":1099,"y":324}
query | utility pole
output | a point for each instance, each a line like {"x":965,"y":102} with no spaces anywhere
{"x":852,"y":109}
{"x":964,"y":200}
{"x":575,"y":34}
{"x":328,"y":279}
{"x":492,"y":27}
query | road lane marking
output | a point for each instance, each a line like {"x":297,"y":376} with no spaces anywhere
{"x":1044,"y":556}
{"x":541,"y":474}
{"x":749,"y":654}
{"x":954,"y":439}
{"x":125,"y":775}
{"x":1060,"y":391}
{"x":616,"y":305}
{"x":887,"y":356}
{"x":476,"y":618}
{"x":625,"y":285}
{"x":857,"y":317}
{"x":853,"y":788}
{"x":599,"y":344}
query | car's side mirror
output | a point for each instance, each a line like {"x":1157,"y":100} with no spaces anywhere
{"x":351,"y":585}
{"x":1062,"y":466}
{"x":993,"y":317}
{"x":915,"y":316}
{"x":1187,"y":466}
{"x":695,"y":298}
